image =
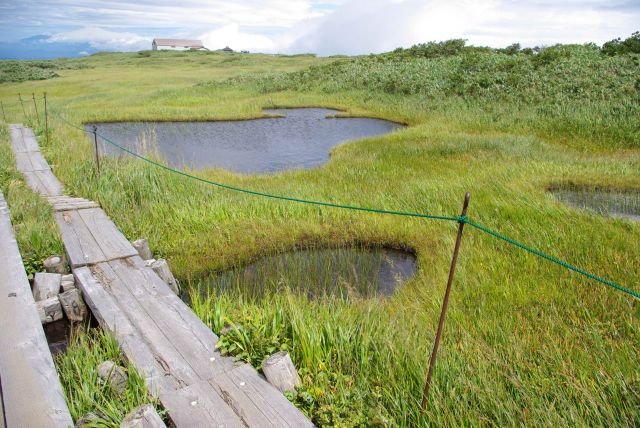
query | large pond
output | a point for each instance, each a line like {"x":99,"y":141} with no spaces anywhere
{"x":300,"y":139}
{"x":608,"y":203}
{"x":361,"y":272}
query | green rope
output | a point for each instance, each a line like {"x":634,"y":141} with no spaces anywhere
{"x":552,"y":259}
{"x":460,"y":219}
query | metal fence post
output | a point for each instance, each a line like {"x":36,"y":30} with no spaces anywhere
{"x":445,"y":302}
{"x":24,"y":113}
{"x":46,"y":118}
{"x":95,"y":142}
{"x":4,"y":116}
{"x":35,"y":106}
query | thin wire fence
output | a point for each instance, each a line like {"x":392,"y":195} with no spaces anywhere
{"x":458,"y":219}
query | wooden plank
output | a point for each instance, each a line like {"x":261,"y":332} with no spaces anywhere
{"x":199,"y":405}
{"x":23,"y":162}
{"x":16,"y":139}
{"x":162,"y":345}
{"x":161,"y":292}
{"x":29,"y":141}
{"x":65,"y":203}
{"x":37,"y":161}
{"x":195,"y":341}
{"x":112,"y":319}
{"x":112,"y":242}
{"x":50,"y":182}
{"x":74,"y":206}
{"x":33,"y":181}
{"x":256,"y":401}
{"x":79,"y":243}
{"x":31,"y":389}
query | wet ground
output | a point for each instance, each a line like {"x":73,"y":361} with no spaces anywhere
{"x":607,"y":203}
{"x":339,"y":272}
{"x":301,"y":139}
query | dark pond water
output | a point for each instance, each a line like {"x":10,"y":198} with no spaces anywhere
{"x":339,"y":272}
{"x":614,"y":204}
{"x":301,"y":139}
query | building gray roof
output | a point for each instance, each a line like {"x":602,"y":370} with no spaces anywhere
{"x":179,"y":42}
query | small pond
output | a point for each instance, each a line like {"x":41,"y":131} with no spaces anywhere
{"x":300,"y":139}
{"x":317,"y":272}
{"x":609,"y":203}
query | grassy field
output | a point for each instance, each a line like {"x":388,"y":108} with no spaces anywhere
{"x":526,"y":342}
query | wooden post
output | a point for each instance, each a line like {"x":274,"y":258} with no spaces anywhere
{"x":280,"y":372}
{"x":95,"y":142}
{"x":56,"y":264}
{"x":24,"y":113}
{"x":35,"y":106}
{"x":445,"y":302}
{"x":46,"y":119}
{"x":4,"y":116}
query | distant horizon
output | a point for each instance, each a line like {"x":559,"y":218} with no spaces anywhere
{"x":323,"y":27}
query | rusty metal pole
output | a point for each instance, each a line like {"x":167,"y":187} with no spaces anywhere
{"x":24,"y":113}
{"x":445,"y":302}
{"x":95,"y":142}
{"x":35,"y":106}
{"x":46,"y":118}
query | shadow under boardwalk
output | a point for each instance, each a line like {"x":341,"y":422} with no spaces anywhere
{"x":158,"y":332}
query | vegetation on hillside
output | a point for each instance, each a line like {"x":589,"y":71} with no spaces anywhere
{"x":526,"y":342}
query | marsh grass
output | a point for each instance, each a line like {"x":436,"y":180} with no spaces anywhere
{"x":526,"y":342}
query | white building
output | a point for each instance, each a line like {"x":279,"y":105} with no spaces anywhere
{"x":176,"y":45}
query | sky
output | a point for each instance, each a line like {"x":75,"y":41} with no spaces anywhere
{"x":53,"y":28}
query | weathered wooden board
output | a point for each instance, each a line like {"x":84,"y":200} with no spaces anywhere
{"x":67,"y":203}
{"x":50,"y":182}
{"x":90,"y":237}
{"x":113,"y":320}
{"x":31,"y":389}
{"x":199,"y":405}
{"x":161,"y":344}
{"x":29,"y":142}
{"x":204,"y":360}
{"x":256,"y":401}
{"x":112,"y":242}
{"x":143,"y":417}
{"x":80,"y":245}
{"x":34,"y":182}
{"x":37,"y":161}
{"x":23,"y":162}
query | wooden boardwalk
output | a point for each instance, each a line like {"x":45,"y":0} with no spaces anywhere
{"x":31,"y":393}
{"x":157,"y":331}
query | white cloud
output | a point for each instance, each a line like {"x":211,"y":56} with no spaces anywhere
{"x":364,"y":26}
{"x":231,"y":35}
{"x":99,"y":38}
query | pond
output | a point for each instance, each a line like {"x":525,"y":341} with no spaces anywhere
{"x":361,"y":272}
{"x":300,"y":139}
{"x":610,"y":203}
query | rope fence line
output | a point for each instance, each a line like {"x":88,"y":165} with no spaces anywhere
{"x":459,"y":219}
